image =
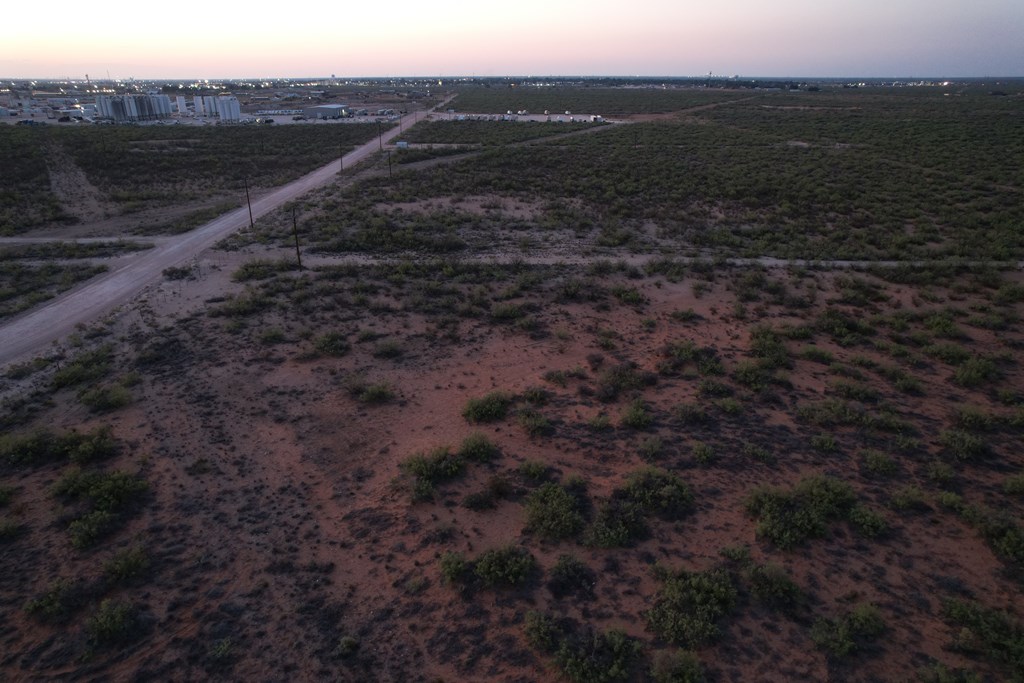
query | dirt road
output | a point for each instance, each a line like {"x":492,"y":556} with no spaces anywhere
{"x":30,"y":333}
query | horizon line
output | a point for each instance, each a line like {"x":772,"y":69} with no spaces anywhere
{"x":191,"y":79}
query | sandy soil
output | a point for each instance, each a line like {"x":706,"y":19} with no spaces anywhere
{"x":278,"y":521}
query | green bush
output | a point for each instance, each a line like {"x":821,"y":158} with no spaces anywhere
{"x":108,"y":496}
{"x":553,"y":513}
{"x":617,"y":524}
{"x":43,"y":446}
{"x":850,"y":632}
{"x":689,"y":606}
{"x":478,"y":448}
{"x":87,"y":366}
{"x":428,"y":469}
{"x":677,"y":667}
{"x":105,"y":399}
{"x":534,"y":470}
{"x":113,"y":622}
{"x":636,"y":416}
{"x":60,"y":599}
{"x":534,"y":422}
{"x":975,"y":371}
{"x":331,"y":344}
{"x":490,"y":408}
{"x":376,"y":393}
{"x":703,"y":453}
{"x":963,"y":445}
{"x":571,"y":576}
{"x":773,"y":586}
{"x":655,"y":491}
{"x":509,"y":565}
{"x":454,"y":568}
{"x":994,"y":634}
{"x":788,"y":518}
{"x":127,"y":564}
{"x":1014,"y":484}
{"x":877,"y":463}
{"x":868,"y":522}
{"x":598,"y":657}
{"x":542,"y":633}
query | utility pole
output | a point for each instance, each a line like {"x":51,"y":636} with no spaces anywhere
{"x":341,"y":157}
{"x":380,"y":138}
{"x":295,"y":234}
{"x":389,"y":166}
{"x":249,"y":204}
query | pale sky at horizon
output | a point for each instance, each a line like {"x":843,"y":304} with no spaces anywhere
{"x":843,"y":38}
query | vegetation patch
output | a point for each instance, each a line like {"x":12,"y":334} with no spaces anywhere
{"x":789,"y":517}
{"x":689,"y":606}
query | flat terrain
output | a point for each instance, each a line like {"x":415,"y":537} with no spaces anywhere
{"x":553,"y":406}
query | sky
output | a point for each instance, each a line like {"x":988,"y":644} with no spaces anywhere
{"x":825,"y":38}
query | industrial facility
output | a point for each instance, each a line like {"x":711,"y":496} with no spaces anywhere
{"x":329,"y":111}
{"x":127,"y":108}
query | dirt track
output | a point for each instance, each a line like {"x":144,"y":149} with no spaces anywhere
{"x":30,"y":333}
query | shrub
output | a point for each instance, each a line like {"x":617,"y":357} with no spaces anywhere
{"x":534,"y":422}
{"x":676,"y":667}
{"x":490,"y":408}
{"x":43,"y":446}
{"x":636,"y":416}
{"x":478,"y":448}
{"x":975,"y":371}
{"x":689,"y":605}
{"x":60,"y":599}
{"x":105,"y":399}
{"x":650,"y":448}
{"x":510,"y":565}
{"x":571,"y":576}
{"x":656,"y":491}
{"x":536,"y":396}
{"x":788,"y":518}
{"x":850,"y":632}
{"x":87,"y":366}
{"x":868,"y":522}
{"x":772,"y":585}
{"x":691,"y":413}
{"x":878,"y":463}
{"x":1014,"y":484}
{"x":108,"y":496}
{"x":998,"y":636}
{"x":542,"y":633}
{"x":703,"y":453}
{"x":376,"y":393}
{"x":963,"y":445}
{"x":454,"y":567}
{"x":553,"y":513}
{"x":389,"y":348}
{"x":534,"y":470}
{"x":618,"y":523}
{"x":598,"y":657}
{"x":431,"y":468}
{"x":114,"y":622}
{"x":332,"y":344}
{"x":127,"y":564}
{"x":620,"y":378}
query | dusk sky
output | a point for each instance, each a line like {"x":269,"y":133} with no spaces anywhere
{"x":519,"y":37}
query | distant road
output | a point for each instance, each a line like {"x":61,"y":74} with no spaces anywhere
{"x":30,"y":333}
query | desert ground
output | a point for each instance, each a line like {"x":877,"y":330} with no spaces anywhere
{"x":506,"y":424}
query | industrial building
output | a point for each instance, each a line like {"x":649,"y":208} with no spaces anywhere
{"x":128,"y":108}
{"x":328,"y":111}
{"x":224,"y":106}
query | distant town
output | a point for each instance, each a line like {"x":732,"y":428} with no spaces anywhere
{"x":249,"y":101}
